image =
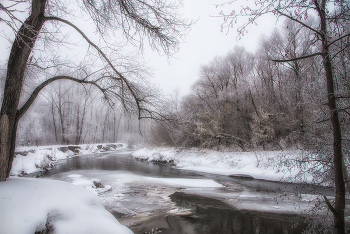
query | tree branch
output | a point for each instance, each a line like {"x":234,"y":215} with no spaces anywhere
{"x":298,"y":21}
{"x":103,"y":55}
{"x":347,"y":35}
{"x":329,"y":205}
{"x":299,"y":58}
{"x":36,"y":92}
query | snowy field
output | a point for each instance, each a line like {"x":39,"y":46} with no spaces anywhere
{"x":259,"y":165}
{"x":32,"y":159}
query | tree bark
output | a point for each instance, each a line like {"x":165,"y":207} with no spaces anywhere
{"x":82,"y":121}
{"x":20,"y":52}
{"x":77,"y":129}
{"x":339,"y":223}
{"x":54,"y":120}
{"x":337,"y":150}
{"x":339,"y":206}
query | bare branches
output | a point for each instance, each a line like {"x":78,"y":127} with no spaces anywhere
{"x":156,"y":21}
{"x":298,"y":21}
{"x":127,"y":83}
{"x":10,"y":10}
{"x":329,"y":205}
{"x":342,"y":37}
{"x":295,"y":59}
{"x":36,"y":92}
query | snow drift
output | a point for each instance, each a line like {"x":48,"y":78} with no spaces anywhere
{"x":30,"y":205}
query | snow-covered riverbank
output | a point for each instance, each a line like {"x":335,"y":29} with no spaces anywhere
{"x":264,"y":165}
{"x":78,"y":203}
{"x":30,"y":205}
{"x":137,"y":192}
{"x":32,"y":159}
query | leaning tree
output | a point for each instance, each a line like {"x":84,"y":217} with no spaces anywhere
{"x":139,"y":21}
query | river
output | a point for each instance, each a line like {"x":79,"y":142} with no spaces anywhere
{"x":143,"y":199}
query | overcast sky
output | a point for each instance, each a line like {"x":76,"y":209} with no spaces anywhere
{"x":203,"y":43}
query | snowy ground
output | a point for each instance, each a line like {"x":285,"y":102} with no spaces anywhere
{"x":259,"y":165}
{"x":32,"y":159}
{"x":31,"y":205}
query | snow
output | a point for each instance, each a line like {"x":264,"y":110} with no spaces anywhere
{"x":137,"y":197}
{"x":282,"y":203}
{"x":260,"y":165}
{"x":43,"y":158}
{"x":90,"y":184}
{"x":193,"y":183}
{"x":28,"y":204}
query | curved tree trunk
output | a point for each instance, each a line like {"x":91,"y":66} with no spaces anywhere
{"x":20,"y":52}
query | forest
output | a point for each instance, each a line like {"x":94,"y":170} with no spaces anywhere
{"x":248,"y":101}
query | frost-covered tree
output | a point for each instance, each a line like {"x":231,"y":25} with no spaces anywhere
{"x":332,"y":27}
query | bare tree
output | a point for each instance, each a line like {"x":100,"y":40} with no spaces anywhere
{"x":331,"y":28}
{"x":155,"y":22}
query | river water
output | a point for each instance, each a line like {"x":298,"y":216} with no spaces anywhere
{"x":144,"y":203}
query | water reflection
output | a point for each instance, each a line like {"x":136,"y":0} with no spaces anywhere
{"x":211,"y":216}
{"x":122,"y":162}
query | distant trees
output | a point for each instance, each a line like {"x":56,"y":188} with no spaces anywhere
{"x":68,"y":114}
{"x":152,"y":22}
{"x":246,"y":101}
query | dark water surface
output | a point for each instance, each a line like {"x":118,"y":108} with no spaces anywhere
{"x":208,"y":215}
{"x":212,"y":216}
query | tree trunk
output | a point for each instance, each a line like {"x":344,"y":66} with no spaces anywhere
{"x":339,"y":206}
{"x":62,"y":118}
{"x":20,"y":52}
{"x":337,"y":149}
{"x":82,"y":123}
{"x":298,"y":96}
{"x":77,"y":127}
{"x":104,"y":126}
{"x":54,"y":121}
{"x":116,"y":129}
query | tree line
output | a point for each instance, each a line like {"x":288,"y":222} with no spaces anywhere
{"x":68,"y":114}
{"x":245,"y":100}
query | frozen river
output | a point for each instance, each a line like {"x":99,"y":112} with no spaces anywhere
{"x":146,"y":196}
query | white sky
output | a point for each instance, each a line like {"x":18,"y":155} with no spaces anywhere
{"x":203,"y":43}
